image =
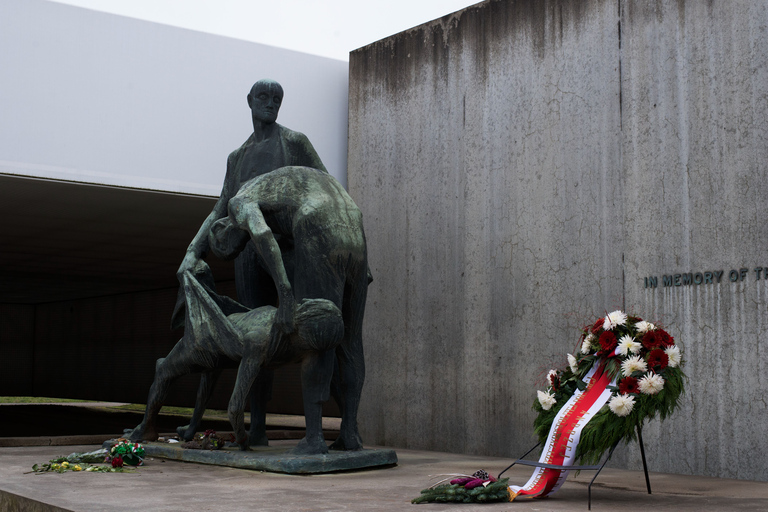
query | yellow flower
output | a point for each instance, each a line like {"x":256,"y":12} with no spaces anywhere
{"x":77,"y":468}
{"x":55,"y":466}
{"x":64,"y":464}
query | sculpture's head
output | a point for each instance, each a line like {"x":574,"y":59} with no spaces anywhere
{"x":265,"y":99}
{"x":319,"y":325}
{"x":226,"y":240}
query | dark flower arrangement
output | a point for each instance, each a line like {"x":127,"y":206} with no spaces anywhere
{"x":209,"y":440}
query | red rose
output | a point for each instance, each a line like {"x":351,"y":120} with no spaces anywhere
{"x":666,"y":339}
{"x":598,"y":325}
{"x":652,"y":339}
{"x":628,"y":385}
{"x":658,"y":358}
{"x":117,"y":462}
{"x":607,"y":342}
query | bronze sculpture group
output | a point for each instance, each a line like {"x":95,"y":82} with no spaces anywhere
{"x":301,"y":274}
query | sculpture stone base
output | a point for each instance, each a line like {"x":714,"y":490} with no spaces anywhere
{"x":275,"y":459}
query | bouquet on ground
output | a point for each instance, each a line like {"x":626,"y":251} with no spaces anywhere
{"x":644,"y":365}
{"x":126,"y":452}
{"x":479,"y":487}
{"x":84,"y":461}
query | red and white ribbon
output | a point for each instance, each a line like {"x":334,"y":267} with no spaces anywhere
{"x":564,"y":435}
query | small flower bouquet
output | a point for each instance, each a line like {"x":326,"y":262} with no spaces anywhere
{"x":126,"y":452}
{"x":479,"y":487}
{"x":645,"y":367}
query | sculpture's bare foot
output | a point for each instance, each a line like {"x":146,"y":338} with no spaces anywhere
{"x":306,"y":447}
{"x":242,"y":440}
{"x":185,"y":432}
{"x":347,"y":442}
{"x":141,"y":433}
{"x":258,"y":438}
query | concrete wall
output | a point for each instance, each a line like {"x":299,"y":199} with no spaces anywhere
{"x":695,"y":172}
{"x":90,"y":96}
{"x":522,"y":166}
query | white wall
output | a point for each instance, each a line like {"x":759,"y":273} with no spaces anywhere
{"x":93,"y":97}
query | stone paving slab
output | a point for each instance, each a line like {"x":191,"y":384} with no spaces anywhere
{"x":179,"y":486}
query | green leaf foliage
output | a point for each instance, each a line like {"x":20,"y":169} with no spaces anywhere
{"x":454,"y":493}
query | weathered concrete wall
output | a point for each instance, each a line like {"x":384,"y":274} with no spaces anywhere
{"x":695,"y":131}
{"x":522,"y":166}
{"x":483,"y":150}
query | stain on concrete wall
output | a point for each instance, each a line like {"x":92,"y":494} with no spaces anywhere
{"x":522,"y":166}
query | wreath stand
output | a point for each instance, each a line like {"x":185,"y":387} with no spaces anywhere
{"x":597,"y":468}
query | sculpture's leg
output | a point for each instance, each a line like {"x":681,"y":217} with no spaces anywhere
{"x":316,"y":373}
{"x":351,"y":366}
{"x":336,"y":392}
{"x":261,"y":393}
{"x":207,"y":382}
{"x":246,"y":374}
{"x":166,"y":371}
{"x":255,"y":288}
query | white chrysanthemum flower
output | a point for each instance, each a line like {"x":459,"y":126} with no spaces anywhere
{"x":644,"y":326}
{"x":633,"y":364}
{"x":551,"y":377}
{"x":572,"y":363}
{"x":622,"y":405}
{"x":614,"y":319}
{"x":586,"y":346}
{"x":673,"y":353}
{"x":546,"y":399}
{"x":651,"y":384}
{"x":628,"y":344}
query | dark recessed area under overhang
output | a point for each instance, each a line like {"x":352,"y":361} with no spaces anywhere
{"x":67,"y":241}
{"x":87,"y":287}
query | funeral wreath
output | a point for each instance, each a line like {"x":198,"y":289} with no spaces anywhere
{"x":645,"y":366}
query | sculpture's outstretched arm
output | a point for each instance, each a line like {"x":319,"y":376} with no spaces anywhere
{"x":206,"y":325}
{"x":199,"y":246}
{"x":246,"y":214}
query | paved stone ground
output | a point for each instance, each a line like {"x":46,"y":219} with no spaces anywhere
{"x":175,"y":486}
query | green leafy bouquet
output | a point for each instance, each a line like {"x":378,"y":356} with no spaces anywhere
{"x":479,"y":487}
{"x":126,"y":452}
